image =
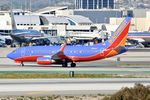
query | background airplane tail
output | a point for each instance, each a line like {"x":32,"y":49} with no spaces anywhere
{"x":14,"y":27}
{"x":119,"y":37}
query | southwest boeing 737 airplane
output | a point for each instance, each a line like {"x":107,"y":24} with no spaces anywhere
{"x":46,"y":55}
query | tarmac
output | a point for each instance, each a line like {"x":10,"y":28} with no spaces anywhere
{"x":44,"y":87}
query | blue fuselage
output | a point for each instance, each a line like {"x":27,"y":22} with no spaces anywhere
{"x":77,"y":51}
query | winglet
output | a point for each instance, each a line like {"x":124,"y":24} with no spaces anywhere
{"x":63,"y":46}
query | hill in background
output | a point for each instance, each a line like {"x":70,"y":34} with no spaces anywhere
{"x":34,"y":4}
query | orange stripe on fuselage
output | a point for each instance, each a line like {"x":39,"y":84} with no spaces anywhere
{"x":112,"y":53}
{"x":120,"y":41}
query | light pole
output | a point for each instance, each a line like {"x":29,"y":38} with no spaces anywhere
{"x":101,"y":4}
{"x":87,"y":4}
{"x":108,"y":4}
{"x":81,"y":4}
{"x":75,"y":4}
{"x":93,"y":4}
{"x":97,"y":4}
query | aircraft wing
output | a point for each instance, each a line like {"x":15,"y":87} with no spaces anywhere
{"x":59,"y":57}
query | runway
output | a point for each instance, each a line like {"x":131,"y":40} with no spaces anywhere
{"x":41,"y":87}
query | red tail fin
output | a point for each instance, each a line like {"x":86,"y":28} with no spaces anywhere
{"x":120,"y":35}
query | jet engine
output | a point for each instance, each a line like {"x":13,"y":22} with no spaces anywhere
{"x":45,"y":61}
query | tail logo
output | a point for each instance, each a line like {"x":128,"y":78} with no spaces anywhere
{"x":118,"y":31}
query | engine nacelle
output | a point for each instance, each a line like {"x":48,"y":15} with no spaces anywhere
{"x":44,"y":61}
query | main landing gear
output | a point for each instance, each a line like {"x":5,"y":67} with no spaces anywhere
{"x":65,"y":64}
{"x":22,"y":64}
{"x":73,"y":64}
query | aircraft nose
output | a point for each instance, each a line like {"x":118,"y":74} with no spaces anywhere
{"x":10,"y":55}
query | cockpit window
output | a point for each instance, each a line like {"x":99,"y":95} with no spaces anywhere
{"x":14,"y":51}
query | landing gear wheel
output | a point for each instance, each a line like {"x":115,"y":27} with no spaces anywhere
{"x":73,"y":64}
{"x":64,"y":64}
{"x":22,"y":64}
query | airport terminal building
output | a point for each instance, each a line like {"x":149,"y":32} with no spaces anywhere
{"x":50,"y":24}
{"x":59,"y":21}
{"x":94,"y":4}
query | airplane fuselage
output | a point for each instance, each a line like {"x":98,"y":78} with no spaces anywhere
{"x":64,"y":54}
{"x":76,"y":53}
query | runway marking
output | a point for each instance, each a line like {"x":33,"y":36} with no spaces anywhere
{"x":36,"y":92}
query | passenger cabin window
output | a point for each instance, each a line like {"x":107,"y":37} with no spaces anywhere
{"x":14,"y":51}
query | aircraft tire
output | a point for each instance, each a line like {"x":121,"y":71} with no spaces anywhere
{"x":22,"y":64}
{"x":65,"y":64}
{"x":73,"y":64}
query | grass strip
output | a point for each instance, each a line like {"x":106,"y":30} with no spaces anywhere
{"x":58,"y":75}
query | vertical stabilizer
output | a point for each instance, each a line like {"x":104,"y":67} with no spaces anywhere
{"x":119,"y":37}
{"x":14,"y":27}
